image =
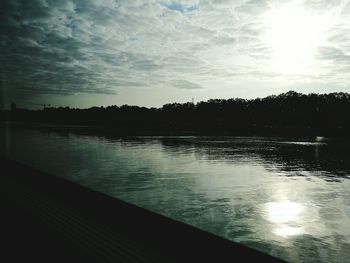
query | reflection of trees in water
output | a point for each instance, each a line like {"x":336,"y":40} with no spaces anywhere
{"x":291,"y":156}
{"x":331,"y":159}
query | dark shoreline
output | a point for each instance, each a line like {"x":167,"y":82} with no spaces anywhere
{"x":101,"y":131}
{"x":285,"y":114}
{"x":48,"y":219}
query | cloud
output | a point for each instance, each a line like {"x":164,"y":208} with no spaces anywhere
{"x":99,"y":46}
{"x":338,"y":61}
{"x":184,"y":84}
{"x":182,"y":8}
{"x":334,"y":54}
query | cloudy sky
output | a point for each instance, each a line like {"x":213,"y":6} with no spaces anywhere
{"x":151,"y":52}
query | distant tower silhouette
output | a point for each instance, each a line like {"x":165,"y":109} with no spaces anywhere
{"x":13,"y":106}
{"x":44,"y":105}
{"x":192,"y":100}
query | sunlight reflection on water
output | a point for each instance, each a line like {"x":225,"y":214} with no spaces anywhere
{"x":283,"y":211}
{"x":283,"y":214}
{"x":287,"y":231}
{"x":290,"y":200}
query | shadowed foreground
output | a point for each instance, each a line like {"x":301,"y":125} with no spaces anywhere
{"x":48,"y":219}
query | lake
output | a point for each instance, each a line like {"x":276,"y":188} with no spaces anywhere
{"x":288,"y":197}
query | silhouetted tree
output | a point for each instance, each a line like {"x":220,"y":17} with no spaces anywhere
{"x":288,"y":113}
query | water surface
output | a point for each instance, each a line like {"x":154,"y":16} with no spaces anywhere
{"x":288,"y":197}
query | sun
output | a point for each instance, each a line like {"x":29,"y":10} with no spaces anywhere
{"x":293,"y":35}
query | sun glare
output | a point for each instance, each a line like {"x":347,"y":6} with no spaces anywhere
{"x":293,"y":34}
{"x":282,"y":214}
{"x":284,"y":211}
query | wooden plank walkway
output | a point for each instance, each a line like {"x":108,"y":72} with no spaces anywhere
{"x":48,"y":219}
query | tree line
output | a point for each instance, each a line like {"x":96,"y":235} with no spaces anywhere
{"x":289,"y":113}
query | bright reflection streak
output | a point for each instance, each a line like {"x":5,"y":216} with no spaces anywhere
{"x":285,"y":211}
{"x":286,"y":231}
{"x":282,"y":214}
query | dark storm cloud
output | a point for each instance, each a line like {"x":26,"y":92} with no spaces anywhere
{"x":42,"y":50}
{"x":70,"y":47}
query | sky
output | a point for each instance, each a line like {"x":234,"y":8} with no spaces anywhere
{"x":87,"y":53}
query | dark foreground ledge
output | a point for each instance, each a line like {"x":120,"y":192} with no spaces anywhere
{"x":48,"y":219}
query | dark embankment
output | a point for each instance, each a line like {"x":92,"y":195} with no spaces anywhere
{"x":48,"y":219}
{"x":289,"y":113}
